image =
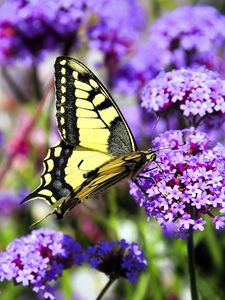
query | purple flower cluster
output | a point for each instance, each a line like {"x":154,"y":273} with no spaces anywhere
{"x":117,"y":259}
{"x":30,"y":29}
{"x":39,"y":258}
{"x":197,"y":93}
{"x":174,"y":42}
{"x":187,"y":36}
{"x":189,"y":184}
{"x":118,"y":28}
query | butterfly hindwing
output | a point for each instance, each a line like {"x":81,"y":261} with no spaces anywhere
{"x":66,"y":168}
{"x":86,"y":114}
{"x":53,"y":185}
{"x":102,"y":177}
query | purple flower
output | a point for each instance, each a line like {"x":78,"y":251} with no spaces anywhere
{"x":117,"y":259}
{"x":39,"y":258}
{"x":197,"y":93}
{"x":139,"y":122}
{"x":9,"y":202}
{"x":118,"y":28}
{"x":30,"y":29}
{"x":132,"y":75}
{"x":188,"y":185}
{"x":175,"y":42}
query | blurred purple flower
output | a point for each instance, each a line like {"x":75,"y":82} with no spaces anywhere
{"x":30,"y":29}
{"x":144,"y":125}
{"x":60,"y":296}
{"x":187,"y":36}
{"x":2,"y":140}
{"x":10,"y":200}
{"x":188,"y":186}
{"x":39,"y":258}
{"x":132,"y":75}
{"x":197,"y":93}
{"x":117,"y":259}
{"x":118,"y":28}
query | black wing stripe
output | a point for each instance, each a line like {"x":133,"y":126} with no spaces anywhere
{"x":104,"y":105}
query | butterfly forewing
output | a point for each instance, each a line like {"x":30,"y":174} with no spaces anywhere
{"x":86,"y":114}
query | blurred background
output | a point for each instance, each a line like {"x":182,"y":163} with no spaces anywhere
{"x":126,"y":43}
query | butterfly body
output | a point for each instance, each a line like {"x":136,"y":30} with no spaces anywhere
{"x":97,"y":148}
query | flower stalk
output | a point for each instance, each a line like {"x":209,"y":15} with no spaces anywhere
{"x":191,"y":263}
{"x":106,"y":287}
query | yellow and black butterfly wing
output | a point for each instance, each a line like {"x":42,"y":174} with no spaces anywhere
{"x":66,"y":169}
{"x":93,"y":133}
{"x":86,"y":114}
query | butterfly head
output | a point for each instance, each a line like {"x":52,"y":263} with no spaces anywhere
{"x":150,"y":156}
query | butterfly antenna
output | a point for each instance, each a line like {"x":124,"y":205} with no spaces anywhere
{"x":149,"y":170}
{"x":154,"y":126}
{"x":169,"y":148}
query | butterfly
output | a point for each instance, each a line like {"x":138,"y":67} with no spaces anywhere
{"x":97,"y":148}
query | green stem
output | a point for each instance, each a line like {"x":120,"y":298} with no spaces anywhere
{"x":106,"y":287}
{"x":191,"y":265}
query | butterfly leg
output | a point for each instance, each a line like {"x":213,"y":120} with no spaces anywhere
{"x":149,"y":170}
{"x":146,"y":177}
{"x":140,"y":187}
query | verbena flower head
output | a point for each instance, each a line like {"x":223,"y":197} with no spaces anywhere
{"x":196,"y":93}
{"x":117,"y":259}
{"x":189,"y":187}
{"x":187,"y":36}
{"x":117,"y":29}
{"x":39,"y":258}
{"x":30,"y":29}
